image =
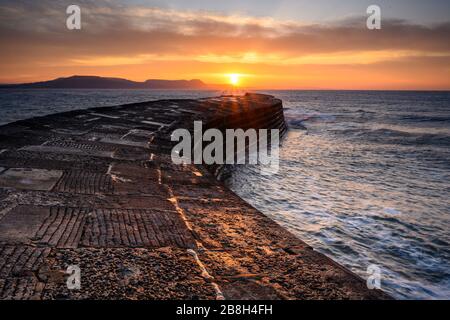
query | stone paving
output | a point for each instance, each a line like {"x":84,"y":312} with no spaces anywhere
{"x":97,"y":189}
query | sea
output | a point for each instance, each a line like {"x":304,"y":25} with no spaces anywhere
{"x":364,"y":176}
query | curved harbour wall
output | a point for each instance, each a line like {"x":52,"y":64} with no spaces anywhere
{"x":97,"y":189}
{"x":269,"y":116}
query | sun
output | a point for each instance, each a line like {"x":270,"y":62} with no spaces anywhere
{"x":234,"y":78}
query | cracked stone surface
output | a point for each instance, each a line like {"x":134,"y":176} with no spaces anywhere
{"x":97,"y":189}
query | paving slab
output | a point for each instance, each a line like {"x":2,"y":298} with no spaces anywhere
{"x":74,"y":151}
{"x":21,"y":224}
{"x":31,"y":179}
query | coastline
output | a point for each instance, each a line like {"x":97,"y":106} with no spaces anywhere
{"x":102,"y":193}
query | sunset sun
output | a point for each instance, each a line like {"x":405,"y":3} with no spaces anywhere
{"x":234,"y":79}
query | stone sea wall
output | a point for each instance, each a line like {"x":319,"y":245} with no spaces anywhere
{"x":97,"y":189}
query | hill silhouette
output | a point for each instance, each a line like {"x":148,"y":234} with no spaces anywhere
{"x":95,"y":82}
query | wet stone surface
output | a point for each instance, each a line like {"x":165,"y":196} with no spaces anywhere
{"x":97,"y":189}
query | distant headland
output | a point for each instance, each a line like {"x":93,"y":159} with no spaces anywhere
{"x":95,"y":82}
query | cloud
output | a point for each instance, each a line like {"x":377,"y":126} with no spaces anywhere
{"x":34,"y":32}
{"x":113,"y":28}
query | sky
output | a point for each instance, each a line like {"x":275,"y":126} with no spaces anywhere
{"x":290,"y":44}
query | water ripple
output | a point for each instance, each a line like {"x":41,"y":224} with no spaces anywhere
{"x":365,"y":178}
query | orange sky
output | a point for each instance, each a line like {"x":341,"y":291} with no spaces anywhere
{"x":140,"y":43}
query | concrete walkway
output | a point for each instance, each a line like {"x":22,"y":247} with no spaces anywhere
{"x":97,"y":189}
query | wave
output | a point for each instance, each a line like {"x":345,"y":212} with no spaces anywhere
{"x":297,"y":124}
{"x":391,"y":136}
{"x":427,"y":118}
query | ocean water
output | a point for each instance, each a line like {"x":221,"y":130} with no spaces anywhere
{"x":17,"y":104}
{"x":364,"y":176}
{"x":365,"y":179}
